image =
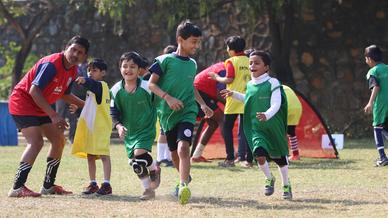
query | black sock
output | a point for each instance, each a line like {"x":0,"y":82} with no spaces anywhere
{"x":51,"y":172}
{"x":21,"y":175}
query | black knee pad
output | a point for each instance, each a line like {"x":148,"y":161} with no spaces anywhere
{"x":140,"y":164}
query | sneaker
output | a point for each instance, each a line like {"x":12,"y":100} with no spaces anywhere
{"x":269,"y":186}
{"x":92,"y":188}
{"x":287,"y":193}
{"x":22,"y":192}
{"x":226,"y":163}
{"x":246,"y":164}
{"x":105,"y":189}
{"x":155,"y":177}
{"x":54,"y":190}
{"x":148,"y":194}
{"x":176,"y":187}
{"x":167,"y":163}
{"x":184,"y":194}
{"x":294,"y":157}
{"x":199,"y":159}
{"x":381,"y":162}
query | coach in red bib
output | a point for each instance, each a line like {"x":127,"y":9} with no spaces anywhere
{"x":30,"y":106}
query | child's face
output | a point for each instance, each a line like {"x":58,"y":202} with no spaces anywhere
{"x":190,"y":45}
{"x":257,"y":66}
{"x":129,"y":70}
{"x":95,"y":73}
{"x":231,"y":53}
{"x":368,"y":61}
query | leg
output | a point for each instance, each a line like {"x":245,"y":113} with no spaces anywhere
{"x":204,"y":139}
{"x":378,"y":133}
{"x":184,"y":161}
{"x":92,"y":167}
{"x":34,"y":139}
{"x":283,"y":169}
{"x":140,"y":164}
{"x":261,"y":157}
{"x":242,"y":142}
{"x":57,"y":140}
{"x":293,"y":141}
{"x":106,"y":188}
{"x":228,"y":136}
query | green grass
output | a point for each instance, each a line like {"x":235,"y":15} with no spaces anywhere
{"x":344,"y":187}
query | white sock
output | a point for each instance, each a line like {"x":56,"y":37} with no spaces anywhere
{"x":145,"y":181}
{"x":152,"y":166}
{"x":198,"y":150}
{"x":106,"y":181}
{"x":93,"y":181}
{"x":167,"y":153}
{"x":161,"y":150}
{"x":265,"y":169}
{"x":284,"y":173}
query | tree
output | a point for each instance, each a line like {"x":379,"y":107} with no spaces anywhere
{"x":40,"y":11}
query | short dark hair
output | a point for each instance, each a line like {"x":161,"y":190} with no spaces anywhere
{"x":98,"y":63}
{"x":235,"y":43}
{"x":134,"y":56}
{"x":374,"y":53}
{"x":186,"y":29}
{"x":144,"y":62}
{"x":247,"y":52}
{"x":265,"y":56}
{"x":80,"y":41}
{"x":169,"y":49}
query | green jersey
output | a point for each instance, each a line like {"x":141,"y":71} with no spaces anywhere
{"x":380,"y":105}
{"x":137,"y":114}
{"x":177,"y":79}
{"x":270,"y":134}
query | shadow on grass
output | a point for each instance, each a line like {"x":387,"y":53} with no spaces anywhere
{"x":215,"y":167}
{"x":123,"y":198}
{"x":323,"y":164}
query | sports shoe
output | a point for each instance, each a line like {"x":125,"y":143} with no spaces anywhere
{"x":22,"y":192}
{"x":294,"y":157}
{"x":155,"y":177}
{"x":166,"y":163}
{"x":226,"y":163}
{"x":92,"y":188}
{"x":199,"y":159}
{"x":148,"y":194}
{"x":287,"y":193}
{"x":175,"y":192}
{"x":246,"y":164}
{"x":381,"y":162}
{"x":269,"y":186}
{"x":54,"y":190}
{"x":105,"y":189}
{"x":184,"y":194}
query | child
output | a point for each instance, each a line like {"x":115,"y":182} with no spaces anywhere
{"x":134,"y":117}
{"x":294,"y":114}
{"x":265,"y":120}
{"x":172,"y":81}
{"x":237,"y":76}
{"x":378,"y":102}
{"x":92,"y":137}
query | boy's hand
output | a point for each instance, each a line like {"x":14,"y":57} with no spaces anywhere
{"x":226,"y":93}
{"x":261,"y":116}
{"x":207,"y":111}
{"x":212,"y":75}
{"x":80,"y":80}
{"x":368,"y":108}
{"x":122,"y":131}
{"x":73,"y":108}
{"x":174,"y":103}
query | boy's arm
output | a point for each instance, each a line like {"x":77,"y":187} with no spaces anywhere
{"x":91,"y":85}
{"x":369,"y":106}
{"x":172,"y":102}
{"x":229,"y":75}
{"x":206,"y":110}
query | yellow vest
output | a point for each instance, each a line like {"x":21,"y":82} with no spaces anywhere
{"x":241,"y":77}
{"x":94,"y":126}
{"x":294,"y":106}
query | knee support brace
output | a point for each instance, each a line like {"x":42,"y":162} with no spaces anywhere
{"x":140,"y":164}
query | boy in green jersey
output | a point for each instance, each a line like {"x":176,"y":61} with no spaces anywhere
{"x":378,"y":102}
{"x":134,"y":117}
{"x":265,"y":120}
{"x":172,"y":82}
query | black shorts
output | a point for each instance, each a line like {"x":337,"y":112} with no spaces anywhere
{"x":280,"y":161}
{"x":210,"y":102}
{"x":182,"y":131}
{"x":28,"y":121}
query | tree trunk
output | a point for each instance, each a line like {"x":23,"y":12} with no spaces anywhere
{"x":281,"y":36}
{"x":20,"y":60}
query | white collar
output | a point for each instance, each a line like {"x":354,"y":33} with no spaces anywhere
{"x":260,"y":79}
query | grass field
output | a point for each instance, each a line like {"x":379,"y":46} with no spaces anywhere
{"x":347,"y":187}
